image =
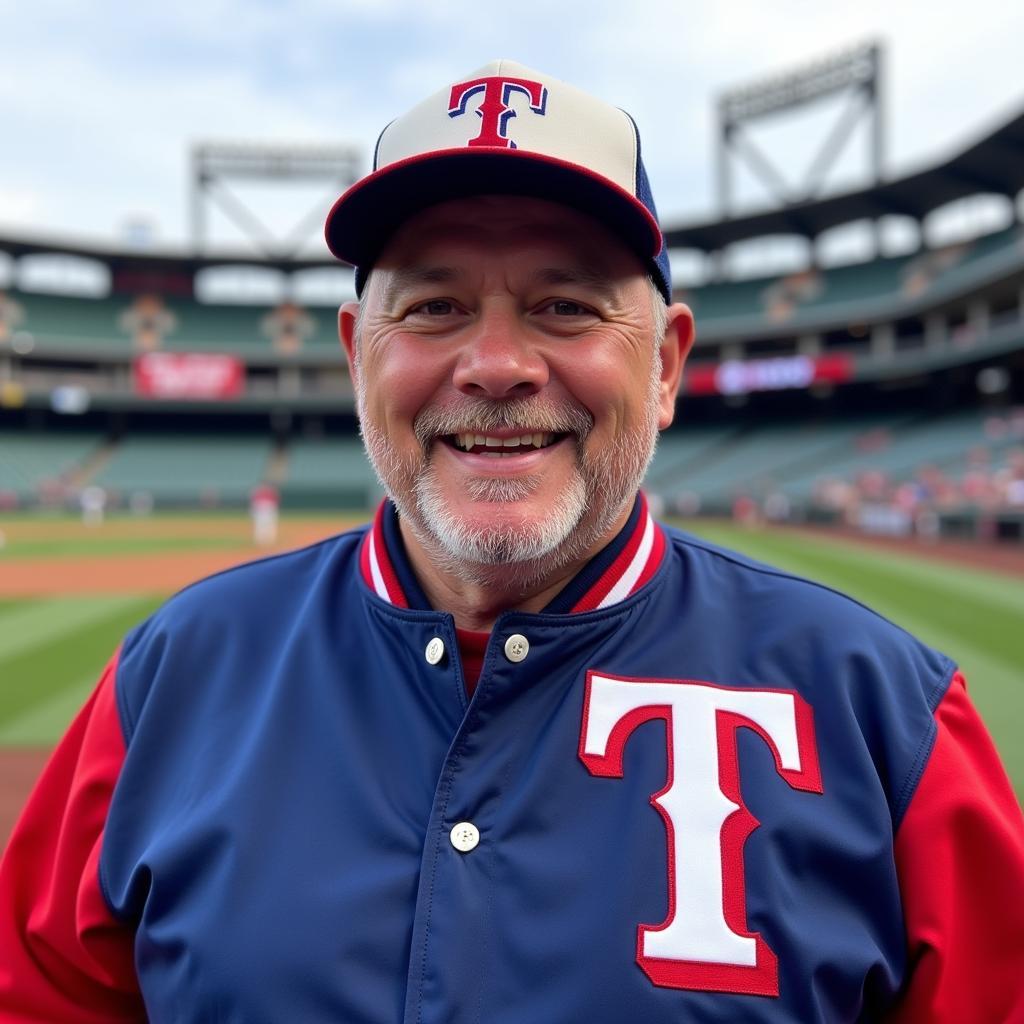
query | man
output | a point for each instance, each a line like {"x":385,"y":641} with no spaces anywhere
{"x":515,"y":752}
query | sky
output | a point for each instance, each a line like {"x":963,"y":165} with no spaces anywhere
{"x":100,"y":102}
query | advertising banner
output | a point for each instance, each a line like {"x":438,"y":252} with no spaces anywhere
{"x":741,"y":377}
{"x":188,"y":375}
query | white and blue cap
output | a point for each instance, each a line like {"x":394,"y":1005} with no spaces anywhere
{"x":504,"y":129}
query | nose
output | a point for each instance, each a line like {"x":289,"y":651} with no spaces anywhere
{"x":499,"y":360}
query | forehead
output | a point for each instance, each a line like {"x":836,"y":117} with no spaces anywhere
{"x":534,"y":232}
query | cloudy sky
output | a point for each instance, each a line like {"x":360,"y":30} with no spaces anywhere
{"x":100,"y":102}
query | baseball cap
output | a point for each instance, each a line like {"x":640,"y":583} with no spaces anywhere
{"x":503,"y":129}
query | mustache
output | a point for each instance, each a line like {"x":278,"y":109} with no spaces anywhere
{"x":481,"y":415}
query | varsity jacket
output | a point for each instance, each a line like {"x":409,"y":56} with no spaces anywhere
{"x":692,"y":789}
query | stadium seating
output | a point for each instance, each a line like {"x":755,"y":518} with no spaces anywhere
{"x":202,"y":469}
{"x":68,"y":319}
{"x":30,"y":462}
{"x":904,"y":449}
{"x":682,"y":451}
{"x":184,"y":325}
{"x":794,"y":459}
{"x":328,"y":472}
{"x":722,"y":308}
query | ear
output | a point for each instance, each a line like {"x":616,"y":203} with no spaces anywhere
{"x":675,"y":348}
{"x":347,"y":316}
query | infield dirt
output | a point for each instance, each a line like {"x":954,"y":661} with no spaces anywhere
{"x":133,"y":572}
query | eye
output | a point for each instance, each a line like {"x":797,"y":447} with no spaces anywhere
{"x":434,"y":307}
{"x":566,"y":307}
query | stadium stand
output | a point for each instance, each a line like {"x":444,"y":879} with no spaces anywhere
{"x":951,"y":457}
{"x":757,"y":460}
{"x":202,"y":470}
{"x":682,"y":451}
{"x":328,"y":472}
{"x":805,"y":299}
{"x":178,"y":325}
{"x":32,"y":464}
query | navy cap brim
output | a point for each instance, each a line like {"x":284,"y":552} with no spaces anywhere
{"x":365,"y":217}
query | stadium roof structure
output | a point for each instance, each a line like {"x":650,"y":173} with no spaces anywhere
{"x":995,"y":164}
{"x":156,"y":260}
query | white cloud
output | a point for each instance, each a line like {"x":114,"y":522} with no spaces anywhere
{"x":21,"y":206}
{"x":98,"y":103}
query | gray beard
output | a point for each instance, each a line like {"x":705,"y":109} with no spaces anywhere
{"x":513,"y":559}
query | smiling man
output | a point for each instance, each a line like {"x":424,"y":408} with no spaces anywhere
{"x":515,"y":752}
{"x":513,"y":366}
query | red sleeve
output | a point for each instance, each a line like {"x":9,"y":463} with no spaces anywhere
{"x":63,"y":955}
{"x":960,"y":859}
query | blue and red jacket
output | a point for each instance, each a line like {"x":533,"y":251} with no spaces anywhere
{"x":693,"y":788}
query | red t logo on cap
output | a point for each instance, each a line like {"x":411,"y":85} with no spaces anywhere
{"x":495,"y":111}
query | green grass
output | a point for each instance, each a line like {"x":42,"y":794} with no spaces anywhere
{"x":974,"y":616}
{"x":114,"y":547}
{"x":51,"y":654}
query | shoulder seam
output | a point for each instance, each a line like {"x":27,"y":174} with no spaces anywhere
{"x":123,"y":711}
{"x":925,"y":747}
{"x":126,"y":733}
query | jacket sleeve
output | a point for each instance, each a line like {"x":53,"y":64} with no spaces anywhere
{"x":63,"y":955}
{"x":960,"y":860}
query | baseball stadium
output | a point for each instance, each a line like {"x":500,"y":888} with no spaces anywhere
{"x":852,"y":411}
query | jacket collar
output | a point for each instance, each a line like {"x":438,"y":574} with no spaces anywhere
{"x":620,"y":569}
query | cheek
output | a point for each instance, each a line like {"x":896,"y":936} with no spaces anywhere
{"x":612,"y":388}
{"x":399,"y":382}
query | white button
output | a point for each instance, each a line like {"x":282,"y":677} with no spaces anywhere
{"x":435,"y":651}
{"x":517,"y":647}
{"x":465,"y":836}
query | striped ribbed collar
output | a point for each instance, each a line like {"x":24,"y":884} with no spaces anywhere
{"x":618,"y":570}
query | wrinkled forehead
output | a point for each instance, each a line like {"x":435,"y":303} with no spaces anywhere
{"x":532,"y":232}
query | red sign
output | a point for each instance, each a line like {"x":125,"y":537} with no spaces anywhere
{"x":188,"y":375}
{"x":740,"y":377}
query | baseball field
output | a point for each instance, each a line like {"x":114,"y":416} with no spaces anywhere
{"x":68,"y":593}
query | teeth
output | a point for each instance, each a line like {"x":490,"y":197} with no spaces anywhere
{"x":466,"y":441}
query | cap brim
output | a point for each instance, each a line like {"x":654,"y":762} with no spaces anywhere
{"x":364,"y":218}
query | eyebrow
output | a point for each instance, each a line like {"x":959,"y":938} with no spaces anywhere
{"x":588,"y":276}
{"x":406,"y":278}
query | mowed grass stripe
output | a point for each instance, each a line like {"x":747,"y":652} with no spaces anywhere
{"x":43,"y":723}
{"x":31,"y":677}
{"x":9,"y":605}
{"x":114,"y":547}
{"x":970,"y":615}
{"x":43,"y":622}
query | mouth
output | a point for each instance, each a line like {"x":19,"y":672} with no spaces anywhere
{"x":501,"y":447}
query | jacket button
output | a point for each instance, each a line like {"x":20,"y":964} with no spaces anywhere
{"x":435,"y":651}
{"x":517,"y":647}
{"x":465,"y":836}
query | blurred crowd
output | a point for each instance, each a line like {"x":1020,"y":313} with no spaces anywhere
{"x":984,"y":481}
{"x":988,"y":477}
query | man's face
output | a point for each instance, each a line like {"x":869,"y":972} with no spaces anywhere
{"x":509,"y":385}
